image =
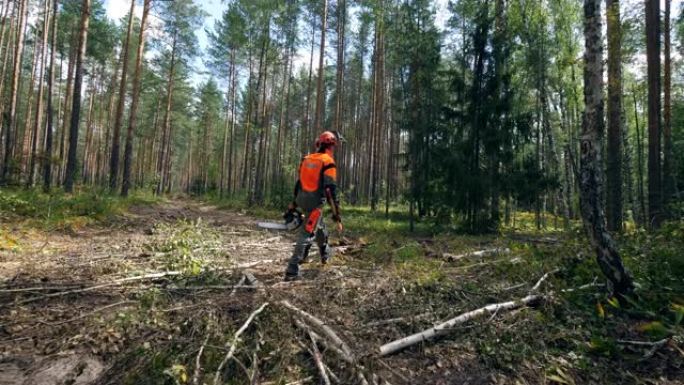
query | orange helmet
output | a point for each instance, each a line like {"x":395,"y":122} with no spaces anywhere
{"x":329,"y":138}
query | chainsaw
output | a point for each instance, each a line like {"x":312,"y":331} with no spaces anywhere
{"x":293,"y":219}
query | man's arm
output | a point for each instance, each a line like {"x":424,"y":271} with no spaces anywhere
{"x":330,"y":190}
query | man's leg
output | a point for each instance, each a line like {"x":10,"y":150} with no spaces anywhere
{"x":322,"y":241}
{"x":304,"y":240}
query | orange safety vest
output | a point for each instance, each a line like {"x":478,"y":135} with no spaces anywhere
{"x":312,"y":170}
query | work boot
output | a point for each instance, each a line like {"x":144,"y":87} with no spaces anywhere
{"x":326,"y":254}
{"x":292,"y":278}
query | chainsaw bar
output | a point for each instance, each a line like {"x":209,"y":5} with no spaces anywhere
{"x":272,"y":226}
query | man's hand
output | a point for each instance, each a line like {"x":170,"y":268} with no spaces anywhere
{"x":340,"y":228}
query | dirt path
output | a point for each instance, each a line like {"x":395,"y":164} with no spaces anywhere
{"x":76,"y":338}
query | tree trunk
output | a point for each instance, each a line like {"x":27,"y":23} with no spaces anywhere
{"x":76,"y":100}
{"x":165,"y":146}
{"x":10,"y":132}
{"x":614,"y":151}
{"x":640,"y":163}
{"x":307,"y":118}
{"x":47,"y":161}
{"x":6,"y":46}
{"x":25,"y":148}
{"x":68,"y":102}
{"x":668,"y":172}
{"x":339,"y":82}
{"x":116,"y":139}
{"x":607,"y":255}
{"x":655,"y":197}
{"x":41,"y":89}
{"x":135,"y":98}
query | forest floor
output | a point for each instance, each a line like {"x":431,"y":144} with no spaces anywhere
{"x":156,"y":293}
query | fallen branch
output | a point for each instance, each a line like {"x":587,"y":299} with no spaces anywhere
{"x":240,"y":283}
{"x":117,"y":282}
{"x":325,"y":329}
{"x":236,"y":337}
{"x":398,"y":319}
{"x":93,"y":312}
{"x":319,"y":361}
{"x":444,"y":327}
{"x":306,"y":328}
{"x":252,"y":264}
{"x":198,"y":362}
{"x":654,"y":346}
{"x":40,"y":288}
{"x":480,"y":253}
{"x":251,"y":279}
{"x":541,"y":280}
{"x":298,"y":382}
{"x":643,"y":343}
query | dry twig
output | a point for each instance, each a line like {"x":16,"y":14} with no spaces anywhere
{"x":117,"y":282}
{"x":325,"y":329}
{"x":236,"y":337}
{"x":319,"y":361}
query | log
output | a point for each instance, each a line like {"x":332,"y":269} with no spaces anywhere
{"x":236,"y":337}
{"x":480,"y":253}
{"x":325,"y":329}
{"x":444,"y":327}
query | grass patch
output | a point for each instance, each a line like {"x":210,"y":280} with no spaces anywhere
{"x":58,"y":210}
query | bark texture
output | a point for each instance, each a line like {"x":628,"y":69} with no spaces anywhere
{"x":76,"y":100}
{"x":607,"y":255}
{"x":614,"y":151}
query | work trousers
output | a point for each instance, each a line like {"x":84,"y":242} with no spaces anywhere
{"x":304,"y":241}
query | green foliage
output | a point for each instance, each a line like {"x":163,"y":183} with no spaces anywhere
{"x":185,"y":245}
{"x":59,"y":209}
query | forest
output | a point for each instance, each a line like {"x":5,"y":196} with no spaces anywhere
{"x":511,"y":183}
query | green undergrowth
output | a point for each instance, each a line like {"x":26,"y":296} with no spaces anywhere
{"x":58,"y":209}
{"x":577,"y":335}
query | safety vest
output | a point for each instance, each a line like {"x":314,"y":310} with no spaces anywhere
{"x":313,"y":169}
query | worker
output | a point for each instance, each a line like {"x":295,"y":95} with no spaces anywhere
{"x":317,"y":183}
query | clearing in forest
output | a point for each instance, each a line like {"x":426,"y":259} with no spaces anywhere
{"x":185,"y":292}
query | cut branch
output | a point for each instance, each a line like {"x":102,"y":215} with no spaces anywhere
{"x":236,"y":338}
{"x":325,"y":329}
{"x":117,"y":282}
{"x":478,"y":254}
{"x":444,"y":327}
{"x":319,"y":360}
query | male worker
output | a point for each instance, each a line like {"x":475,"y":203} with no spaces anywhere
{"x":317,"y":183}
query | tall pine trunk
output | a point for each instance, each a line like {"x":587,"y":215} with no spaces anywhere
{"x":10,"y":131}
{"x":135,"y":99}
{"x":76,"y":100}
{"x":38,"y":121}
{"x":614,"y":150}
{"x":668,"y":172}
{"x":607,"y":255}
{"x":655,"y":196}
{"x":116,"y":139}
{"x":165,"y":146}
{"x":47,"y":161}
